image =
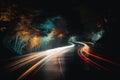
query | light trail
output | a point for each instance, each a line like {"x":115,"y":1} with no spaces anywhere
{"x":85,"y":53}
{"x":60,"y":63}
{"x":42,"y":59}
{"x":88,"y":60}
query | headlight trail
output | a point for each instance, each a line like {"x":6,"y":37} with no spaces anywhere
{"x":41,"y":57}
{"x":60,"y":63}
{"x":85,"y":53}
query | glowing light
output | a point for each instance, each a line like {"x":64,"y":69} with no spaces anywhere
{"x":41,"y":57}
{"x":72,"y":39}
{"x":26,"y":38}
{"x":49,"y":23}
{"x":35,"y":41}
{"x":96,"y":36}
{"x":24,"y":33}
{"x":61,"y":35}
{"x":85,"y":54}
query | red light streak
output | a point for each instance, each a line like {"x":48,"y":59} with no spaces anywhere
{"x":85,"y":53}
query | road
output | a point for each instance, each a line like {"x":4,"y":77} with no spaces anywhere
{"x":62,"y":63}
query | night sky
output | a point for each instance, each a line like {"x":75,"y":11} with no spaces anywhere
{"x":82,"y":17}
